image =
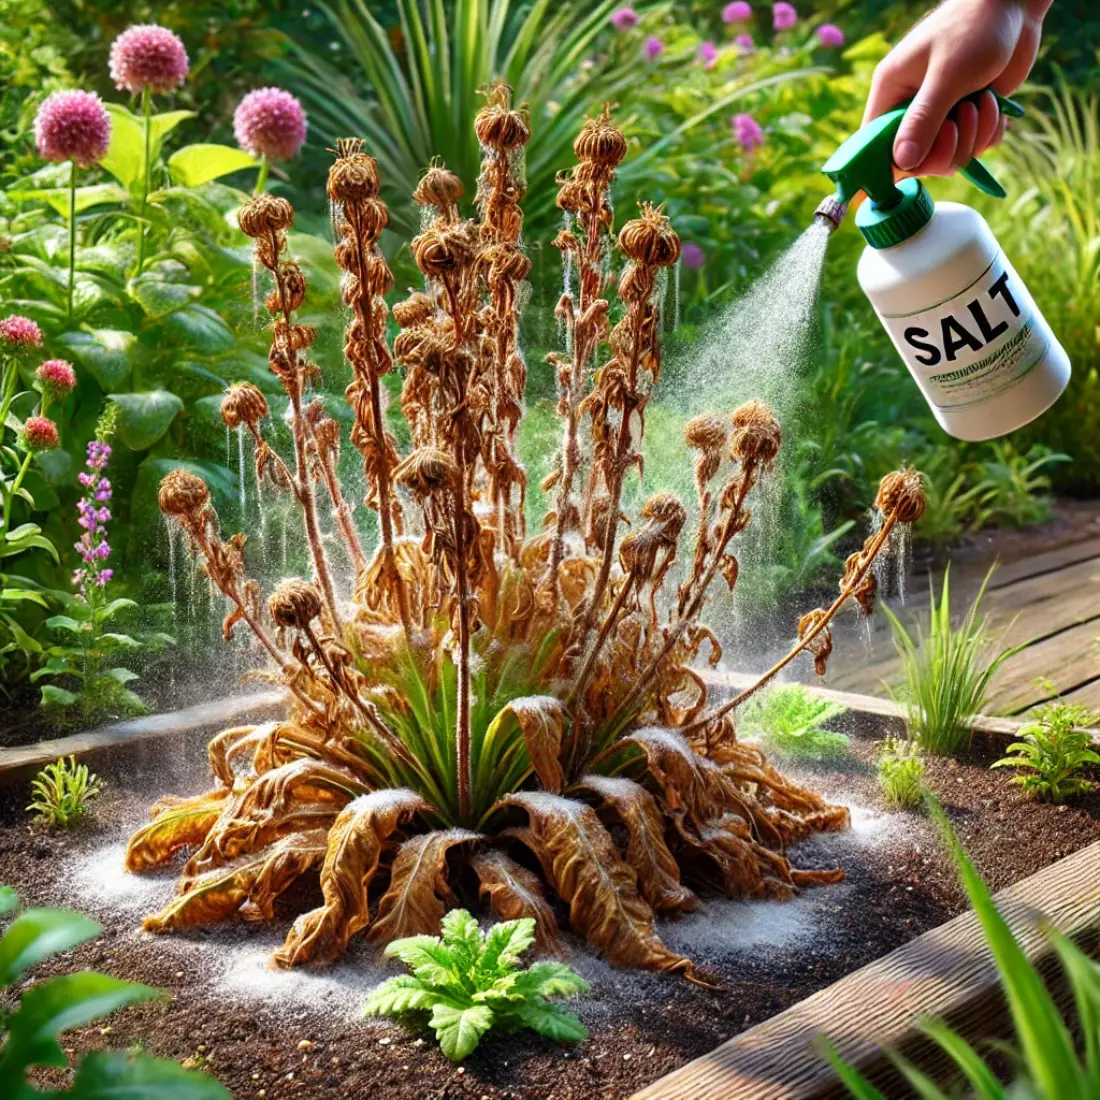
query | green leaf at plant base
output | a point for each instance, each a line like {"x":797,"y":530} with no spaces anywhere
{"x":194,"y":165}
{"x":37,"y":934}
{"x":117,"y":1075}
{"x":9,"y":900}
{"x":86,"y":197}
{"x":459,"y":1029}
{"x":399,"y":995}
{"x":143,"y":418}
{"x":201,"y":327}
{"x":158,"y":297}
{"x":105,"y":353}
{"x":553,"y":1021}
{"x":52,"y":695}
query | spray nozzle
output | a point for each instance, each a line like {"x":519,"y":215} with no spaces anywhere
{"x":865,"y":162}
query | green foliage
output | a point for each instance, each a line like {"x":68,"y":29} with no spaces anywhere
{"x":1052,"y":752}
{"x":63,"y":792}
{"x":791,"y":721}
{"x":469,"y":982}
{"x":901,"y":774}
{"x":46,"y":1010}
{"x":947,"y":670}
{"x":1048,"y":1064}
{"x":1017,"y":493}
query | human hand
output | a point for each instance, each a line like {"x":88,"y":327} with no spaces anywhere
{"x":960,"y":48}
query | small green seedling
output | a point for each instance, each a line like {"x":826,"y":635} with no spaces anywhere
{"x":901,"y":774}
{"x":469,"y":982}
{"x":62,"y":792}
{"x":790,"y":720}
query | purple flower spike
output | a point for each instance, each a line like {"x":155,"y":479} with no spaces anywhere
{"x":148,"y":58}
{"x":747,"y":132}
{"x":624,"y":19}
{"x":72,"y":125}
{"x":708,"y":54}
{"x":654,"y":47}
{"x":270,"y":123}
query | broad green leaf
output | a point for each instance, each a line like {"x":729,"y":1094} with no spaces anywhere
{"x":106,"y":354}
{"x":109,"y":611}
{"x":33,"y":542}
{"x":506,"y":942}
{"x":118,"y":1075}
{"x":554,"y":979}
{"x":22,"y":639}
{"x":86,"y":197}
{"x":122,"y":641}
{"x":194,"y":165}
{"x":144,"y":417}
{"x":553,"y":1021}
{"x":158,"y":297}
{"x":125,"y":158}
{"x":9,"y":900}
{"x":121,"y":675}
{"x":399,"y":995}
{"x":64,"y":622}
{"x":426,"y":956}
{"x":459,"y":1030}
{"x":462,"y":934}
{"x":38,"y":933}
{"x":23,"y":595}
{"x":202,"y":327}
{"x":52,"y":695}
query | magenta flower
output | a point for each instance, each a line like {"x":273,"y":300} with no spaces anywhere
{"x":17,"y":331}
{"x":270,"y":123}
{"x":57,"y":379}
{"x":745,"y":43}
{"x":829,"y":34}
{"x":148,"y":58}
{"x":737,"y":12}
{"x":72,"y":125}
{"x":39,"y":434}
{"x":624,"y":19}
{"x":93,"y":515}
{"x":783,"y":16}
{"x":654,"y":47}
{"x":691,"y":255}
{"x":708,"y":54}
{"x":747,"y":132}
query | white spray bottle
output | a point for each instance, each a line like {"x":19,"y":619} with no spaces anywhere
{"x":966,"y":326}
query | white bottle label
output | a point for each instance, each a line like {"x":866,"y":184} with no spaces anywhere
{"x":975,"y":346}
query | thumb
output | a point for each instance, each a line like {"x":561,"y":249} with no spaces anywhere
{"x":933,"y":102}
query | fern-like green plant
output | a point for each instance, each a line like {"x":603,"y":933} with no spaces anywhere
{"x":901,"y":774}
{"x":1052,"y":752}
{"x":789,"y":720}
{"x":1050,"y":1067}
{"x":947,"y":670}
{"x":30,"y":1032}
{"x":62,"y":792}
{"x":469,"y":982}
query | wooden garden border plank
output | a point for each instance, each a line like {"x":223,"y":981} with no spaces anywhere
{"x":217,"y":712}
{"x":948,"y":972}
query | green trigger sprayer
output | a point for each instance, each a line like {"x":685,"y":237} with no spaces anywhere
{"x":955,"y":308}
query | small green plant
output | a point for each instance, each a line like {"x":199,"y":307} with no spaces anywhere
{"x":29,"y":1033}
{"x":789,"y":720}
{"x":1018,"y":493}
{"x":1049,"y":1065}
{"x":62,"y":792}
{"x":1052,"y":751}
{"x":470,"y":981}
{"x":947,"y":670}
{"x":901,"y":773}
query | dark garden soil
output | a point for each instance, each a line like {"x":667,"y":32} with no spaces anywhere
{"x":764,"y":956}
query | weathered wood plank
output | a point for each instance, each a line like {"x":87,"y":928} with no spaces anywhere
{"x":1066,"y":660}
{"x":1047,"y":562}
{"x":948,"y":973}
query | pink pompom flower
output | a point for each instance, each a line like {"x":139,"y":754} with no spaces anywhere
{"x":270,"y":123}
{"x":57,"y":379}
{"x":691,"y":255}
{"x":747,"y":132}
{"x":829,"y":34}
{"x":708,"y":54}
{"x":737,"y":12}
{"x":745,"y":43}
{"x":17,"y":331}
{"x":148,"y":58}
{"x":39,"y":434}
{"x":72,"y":125}
{"x":783,"y":16}
{"x":654,"y":47}
{"x":624,"y":19}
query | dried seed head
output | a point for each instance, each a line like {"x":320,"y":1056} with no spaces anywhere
{"x":426,"y":471}
{"x":416,"y":309}
{"x":599,"y":142}
{"x":182,"y":493}
{"x":822,"y":644}
{"x":294,"y":285}
{"x":650,"y":240}
{"x":705,"y":432}
{"x":354,"y":175}
{"x":442,"y":249}
{"x":504,"y":261}
{"x":756,"y":434}
{"x":438,"y":188}
{"x":294,"y":603}
{"x":265,"y":214}
{"x":243,"y":403}
{"x":665,"y":511}
{"x":901,"y":494}
{"x":497,"y":125}
{"x":327,"y":432}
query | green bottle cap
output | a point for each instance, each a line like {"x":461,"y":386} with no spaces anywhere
{"x":896,"y":211}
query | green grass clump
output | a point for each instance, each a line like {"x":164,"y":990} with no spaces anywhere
{"x":63,"y":792}
{"x":791,"y":721}
{"x":901,"y":774}
{"x":1052,"y":752}
{"x":469,"y":982}
{"x":947,"y":669}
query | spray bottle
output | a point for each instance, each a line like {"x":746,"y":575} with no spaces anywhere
{"x":953,"y":305}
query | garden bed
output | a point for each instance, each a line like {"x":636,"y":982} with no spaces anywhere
{"x":271,"y":1034}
